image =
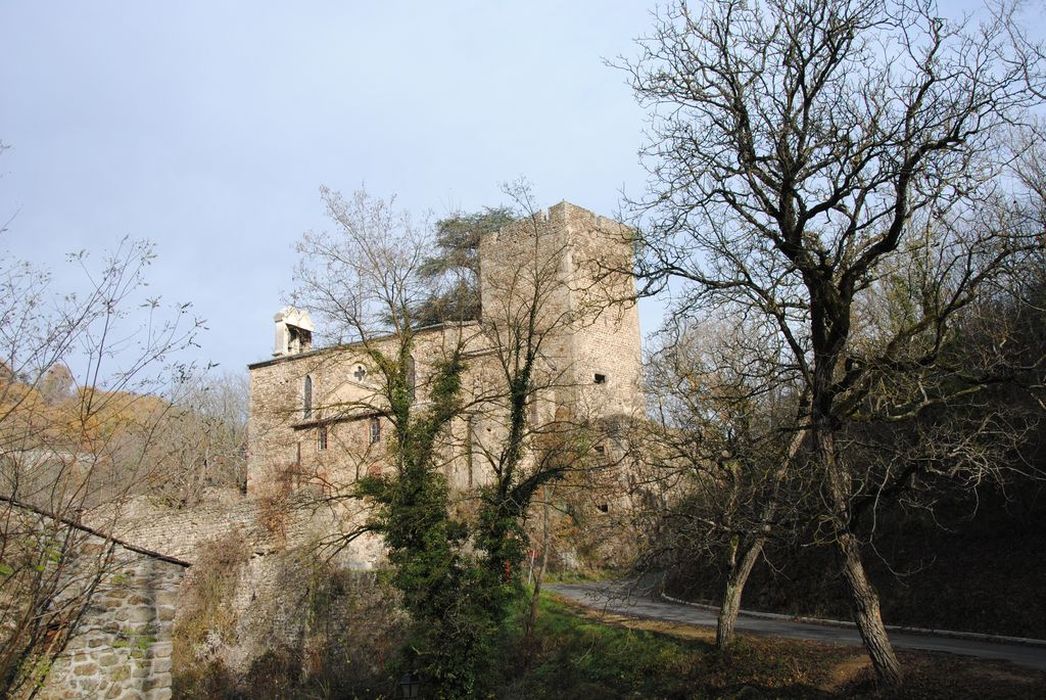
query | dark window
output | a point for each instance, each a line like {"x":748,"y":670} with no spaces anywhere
{"x":306,"y":398}
{"x":298,"y":340}
{"x":600,"y":450}
{"x":603,"y":507}
{"x":375,"y":430}
{"x":598,"y":378}
{"x":321,"y":438}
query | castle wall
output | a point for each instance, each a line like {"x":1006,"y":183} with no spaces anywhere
{"x":605,"y":337}
{"x":567,"y":265}
{"x":121,"y":644}
{"x":265,"y":524}
{"x":274,"y":551}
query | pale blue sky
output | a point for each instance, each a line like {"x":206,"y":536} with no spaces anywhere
{"x":208,"y":128}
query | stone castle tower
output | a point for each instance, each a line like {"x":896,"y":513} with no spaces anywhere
{"x":584,"y":261}
{"x":568,"y":266}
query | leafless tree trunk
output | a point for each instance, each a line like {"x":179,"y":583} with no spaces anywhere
{"x":734,"y":588}
{"x":547,"y":492}
{"x":737,"y":438}
{"x":865,"y":598}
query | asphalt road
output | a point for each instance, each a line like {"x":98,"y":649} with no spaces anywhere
{"x":616,"y":598}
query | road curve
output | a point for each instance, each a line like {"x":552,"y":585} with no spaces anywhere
{"x":616,"y":597}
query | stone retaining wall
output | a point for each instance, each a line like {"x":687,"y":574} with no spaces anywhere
{"x":120,"y":647}
{"x":267,"y":525}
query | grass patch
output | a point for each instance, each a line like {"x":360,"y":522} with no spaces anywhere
{"x":580,"y":653}
{"x":586,"y":575}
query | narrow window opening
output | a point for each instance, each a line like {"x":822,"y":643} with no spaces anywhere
{"x":598,"y":378}
{"x":470,"y":427}
{"x":375,"y":431}
{"x":306,"y":398}
{"x":321,"y":438}
{"x":411,"y":377}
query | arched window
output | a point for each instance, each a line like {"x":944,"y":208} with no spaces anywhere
{"x":306,"y":398}
{"x":411,"y":377}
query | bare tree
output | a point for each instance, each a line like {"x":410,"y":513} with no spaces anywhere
{"x":725,"y":435}
{"x":365,"y":280}
{"x":528,"y":394}
{"x":200,"y":443}
{"x":798,"y":151}
{"x":76,"y":412}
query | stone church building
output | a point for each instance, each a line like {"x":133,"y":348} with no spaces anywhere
{"x":318,"y":417}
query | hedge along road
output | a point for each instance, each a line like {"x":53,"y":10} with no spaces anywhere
{"x":622,"y":598}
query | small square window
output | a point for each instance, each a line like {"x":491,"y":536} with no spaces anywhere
{"x":600,"y":449}
{"x":598,"y":378}
{"x":603,"y":507}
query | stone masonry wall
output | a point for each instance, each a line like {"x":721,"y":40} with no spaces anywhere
{"x":580,"y":264}
{"x":280,"y":544}
{"x":121,"y":646}
{"x":284,"y":447}
{"x":266,"y":524}
{"x":606,"y":337}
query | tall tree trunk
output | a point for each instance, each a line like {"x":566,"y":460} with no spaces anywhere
{"x":535,"y":600}
{"x":740,"y":571}
{"x":735,"y":586}
{"x":539,"y":576}
{"x":863,"y":595}
{"x":867,"y":615}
